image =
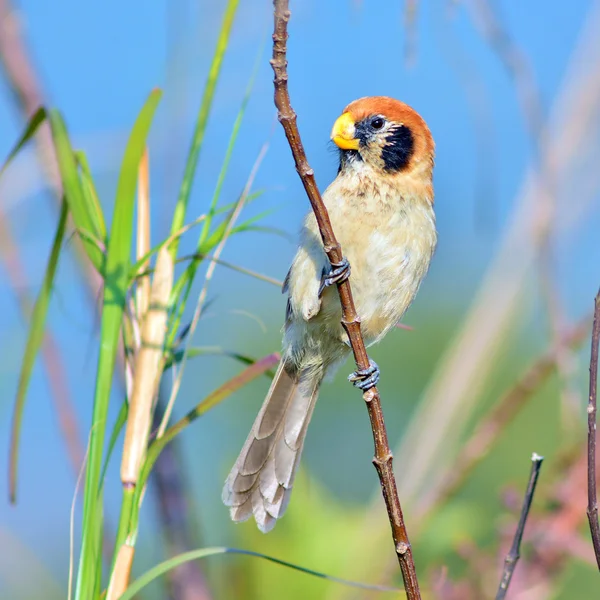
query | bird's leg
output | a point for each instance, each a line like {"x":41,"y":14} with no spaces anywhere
{"x":339,"y":272}
{"x":365,"y":379}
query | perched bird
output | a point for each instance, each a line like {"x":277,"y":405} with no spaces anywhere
{"x":381,"y":208}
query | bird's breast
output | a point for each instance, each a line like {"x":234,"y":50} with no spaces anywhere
{"x":389,"y":245}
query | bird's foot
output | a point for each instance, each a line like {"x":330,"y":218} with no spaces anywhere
{"x":339,"y":272}
{"x":365,"y":379}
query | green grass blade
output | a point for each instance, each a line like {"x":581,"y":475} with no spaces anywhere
{"x":166,"y":566}
{"x":114,"y":436}
{"x":203,"y":114}
{"x":228,"y":207}
{"x":91,"y":195}
{"x":220,"y":231}
{"x":34,"y":341}
{"x":135,"y":269}
{"x":264,"y":229}
{"x":38,"y":117}
{"x":79,"y":208}
{"x":116,"y":284}
{"x":183,"y":285}
{"x":234,"y":267}
{"x":177,"y":357}
{"x":228,"y":153}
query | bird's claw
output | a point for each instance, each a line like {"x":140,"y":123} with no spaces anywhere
{"x":365,"y":379}
{"x":339,"y":272}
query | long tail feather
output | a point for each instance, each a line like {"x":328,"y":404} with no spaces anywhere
{"x":260,"y":482}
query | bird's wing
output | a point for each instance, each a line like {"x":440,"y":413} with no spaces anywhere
{"x":303,"y":281}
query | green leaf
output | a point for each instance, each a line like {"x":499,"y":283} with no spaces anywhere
{"x":202,"y":120}
{"x":166,"y":566}
{"x":264,"y":229}
{"x":141,"y":261}
{"x":233,"y":267}
{"x":34,"y":341}
{"x":38,"y":117}
{"x":217,"y":235}
{"x":183,"y":284}
{"x":177,"y":357}
{"x":116,"y":284}
{"x":230,"y":146}
{"x":80,"y":210}
{"x":114,"y":436}
{"x":91,"y":195}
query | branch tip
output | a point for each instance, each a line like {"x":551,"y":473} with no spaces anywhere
{"x":510,"y":562}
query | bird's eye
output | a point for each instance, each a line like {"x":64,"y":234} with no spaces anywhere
{"x":377,"y":123}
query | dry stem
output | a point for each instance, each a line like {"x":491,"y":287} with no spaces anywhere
{"x":350,"y":320}
{"x":592,"y":509}
{"x":514,"y":553}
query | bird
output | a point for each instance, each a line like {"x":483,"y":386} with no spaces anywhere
{"x":381,"y":206}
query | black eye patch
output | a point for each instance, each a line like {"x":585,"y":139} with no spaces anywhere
{"x":398,"y":149}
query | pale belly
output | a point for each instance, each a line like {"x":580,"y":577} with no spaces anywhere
{"x":389,"y":256}
{"x":386,"y":274}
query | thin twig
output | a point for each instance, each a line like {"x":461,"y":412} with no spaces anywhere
{"x":592,"y":509}
{"x":513,"y":555}
{"x":350,"y":320}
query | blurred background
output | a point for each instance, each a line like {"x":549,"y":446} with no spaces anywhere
{"x":511,"y":92}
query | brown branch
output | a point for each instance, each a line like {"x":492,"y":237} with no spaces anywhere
{"x":514,"y":553}
{"x":592,"y":509}
{"x":350,"y":320}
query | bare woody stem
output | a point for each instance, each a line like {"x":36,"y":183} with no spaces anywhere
{"x":510,"y":562}
{"x":592,"y":509}
{"x":350,"y":320}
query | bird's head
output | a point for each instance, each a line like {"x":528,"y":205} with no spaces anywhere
{"x":383,"y":135}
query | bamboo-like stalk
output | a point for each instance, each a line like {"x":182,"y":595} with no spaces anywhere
{"x":142,"y":290}
{"x":147,"y":372}
{"x":148,"y":369}
{"x":121,"y":572}
{"x":350,"y":319}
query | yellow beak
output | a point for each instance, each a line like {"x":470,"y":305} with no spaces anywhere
{"x":343,"y":132}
